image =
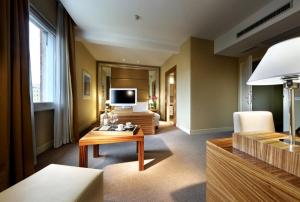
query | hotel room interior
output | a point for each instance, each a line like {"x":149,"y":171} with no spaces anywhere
{"x":162,"y":100}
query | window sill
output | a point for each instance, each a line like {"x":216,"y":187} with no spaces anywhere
{"x":43,"y":106}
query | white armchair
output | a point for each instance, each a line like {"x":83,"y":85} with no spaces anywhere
{"x":253,"y":121}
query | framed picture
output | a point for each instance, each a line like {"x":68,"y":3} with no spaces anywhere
{"x":86,"y":87}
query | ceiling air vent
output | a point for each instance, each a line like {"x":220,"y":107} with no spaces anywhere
{"x":265,"y":19}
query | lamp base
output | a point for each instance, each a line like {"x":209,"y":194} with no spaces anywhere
{"x":290,"y":85}
{"x":288,"y":141}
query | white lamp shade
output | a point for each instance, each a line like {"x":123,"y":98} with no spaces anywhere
{"x":281,"y":60}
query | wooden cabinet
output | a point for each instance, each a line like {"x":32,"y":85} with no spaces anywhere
{"x":236,"y":176}
{"x":143,"y":119}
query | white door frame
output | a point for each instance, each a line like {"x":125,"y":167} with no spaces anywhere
{"x":245,"y":91}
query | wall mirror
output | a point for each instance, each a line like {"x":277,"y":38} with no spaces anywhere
{"x":144,"y":78}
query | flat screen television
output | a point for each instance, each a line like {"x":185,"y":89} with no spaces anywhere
{"x":123,"y":96}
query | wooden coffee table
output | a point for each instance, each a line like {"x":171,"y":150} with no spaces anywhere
{"x":97,"y":138}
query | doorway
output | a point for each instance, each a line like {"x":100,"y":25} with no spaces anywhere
{"x":268,"y":98}
{"x":170,"y":95}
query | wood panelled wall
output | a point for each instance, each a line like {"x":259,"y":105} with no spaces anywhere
{"x":131,"y":78}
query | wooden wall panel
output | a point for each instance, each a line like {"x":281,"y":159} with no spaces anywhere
{"x":130,"y":83}
{"x":131,"y":78}
{"x":143,"y":95}
{"x":121,"y":73}
{"x":145,"y":121}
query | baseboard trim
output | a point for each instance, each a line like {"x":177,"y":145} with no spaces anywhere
{"x":44,"y":147}
{"x":188,"y":131}
{"x":211,"y":130}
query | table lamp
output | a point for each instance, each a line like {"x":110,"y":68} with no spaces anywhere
{"x":281,"y":65}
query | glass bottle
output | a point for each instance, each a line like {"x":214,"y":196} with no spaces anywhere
{"x":105,"y":118}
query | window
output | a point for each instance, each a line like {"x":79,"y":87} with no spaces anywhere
{"x":42,"y":63}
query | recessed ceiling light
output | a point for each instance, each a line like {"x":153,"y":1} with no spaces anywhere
{"x":137,"y":17}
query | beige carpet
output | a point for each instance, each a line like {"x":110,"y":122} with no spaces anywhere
{"x":175,"y":167}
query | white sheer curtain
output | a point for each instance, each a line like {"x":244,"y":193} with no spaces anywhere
{"x":63,"y":121}
{"x":32,"y":120}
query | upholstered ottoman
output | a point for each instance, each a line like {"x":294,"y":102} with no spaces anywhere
{"x":58,"y":183}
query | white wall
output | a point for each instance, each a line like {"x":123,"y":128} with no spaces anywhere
{"x":207,"y":88}
{"x":86,"y":106}
{"x":182,"y":61}
{"x":214,"y":88}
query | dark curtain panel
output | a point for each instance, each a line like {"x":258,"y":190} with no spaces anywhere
{"x":70,"y":37}
{"x":16,"y":149}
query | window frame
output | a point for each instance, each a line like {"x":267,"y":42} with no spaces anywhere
{"x":36,"y":18}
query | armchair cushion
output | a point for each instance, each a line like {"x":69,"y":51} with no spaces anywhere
{"x":251,"y":121}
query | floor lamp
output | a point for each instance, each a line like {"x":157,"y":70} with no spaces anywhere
{"x":281,"y":65}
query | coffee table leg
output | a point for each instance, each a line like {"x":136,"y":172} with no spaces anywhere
{"x":96,"y":151}
{"x":141,"y":155}
{"x":83,"y":156}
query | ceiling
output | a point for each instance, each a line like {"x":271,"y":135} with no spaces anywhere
{"x":163,"y":26}
{"x":127,"y":55}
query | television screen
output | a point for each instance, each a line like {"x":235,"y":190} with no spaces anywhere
{"x":123,"y":96}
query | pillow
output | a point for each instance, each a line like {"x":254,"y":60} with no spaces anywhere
{"x":140,"y":107}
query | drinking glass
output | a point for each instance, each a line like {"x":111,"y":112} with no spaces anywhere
{"x":113,"y":119}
